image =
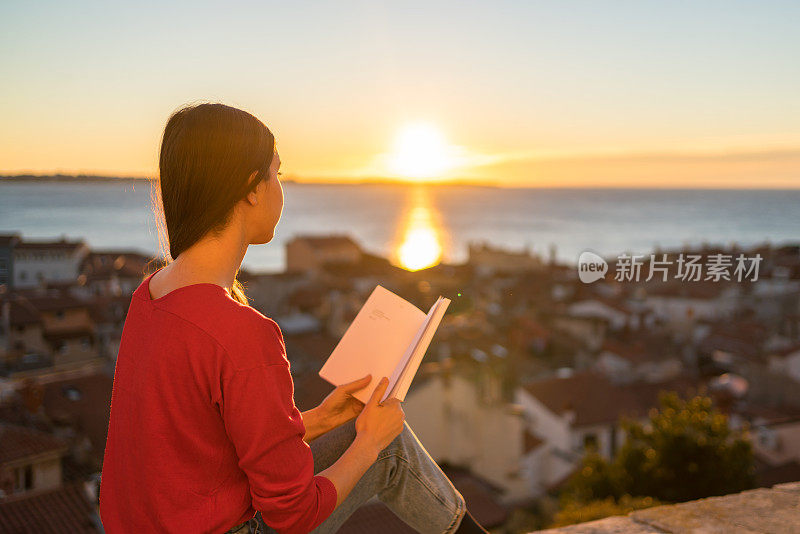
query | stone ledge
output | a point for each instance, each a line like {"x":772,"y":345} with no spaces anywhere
{"x":773,"y":510}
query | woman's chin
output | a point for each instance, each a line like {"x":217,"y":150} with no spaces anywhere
{"x":264,"y":239}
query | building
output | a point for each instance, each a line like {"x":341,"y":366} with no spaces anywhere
{"x":42,"y":328}
{"x":310,"y":253}
{"x":463,"y":421}
{"x":33,"y":496}
{"x":624,"y":362}
{"x":114,"y":272}
{"x":47,"y":261}
{"x":679,"y":302}
{"x":63,"y":509}
{"x":7,"y":244}
{"x":569,"y":414}
{"x":488,"y":260}
{"x":30,"y":461}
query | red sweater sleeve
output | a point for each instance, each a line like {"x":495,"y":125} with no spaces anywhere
{"x":267,"y":431}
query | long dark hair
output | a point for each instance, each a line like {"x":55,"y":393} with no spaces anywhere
{"x":208,"y":152}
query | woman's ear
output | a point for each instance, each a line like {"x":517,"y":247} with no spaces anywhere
{"x":252,"y":196}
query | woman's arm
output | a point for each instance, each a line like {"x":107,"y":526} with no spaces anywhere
{"x":351,"y":466}
{"x":316,"y":424}
{"x":336,"y":409}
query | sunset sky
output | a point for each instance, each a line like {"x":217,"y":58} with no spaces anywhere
{"x":560,"y":93}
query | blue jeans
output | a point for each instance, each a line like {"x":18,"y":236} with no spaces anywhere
{"x":404,"y":477}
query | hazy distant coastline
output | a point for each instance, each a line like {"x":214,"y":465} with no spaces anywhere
{"x":68,"y":178}
{"x":91,"y":178}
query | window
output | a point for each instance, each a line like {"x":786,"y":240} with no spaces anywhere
{"x":23,"y":478}
{"x":590,"y":441}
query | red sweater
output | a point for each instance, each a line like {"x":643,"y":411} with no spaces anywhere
{"x":204,"y":430}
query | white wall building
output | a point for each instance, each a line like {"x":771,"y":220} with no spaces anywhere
{"x":464,"y":423}
{"x":52,"y":261}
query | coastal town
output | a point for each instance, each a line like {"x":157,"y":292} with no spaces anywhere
{"x":530,"y":367}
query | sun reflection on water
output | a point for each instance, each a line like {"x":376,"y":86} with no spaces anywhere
{"x":420,"y":243}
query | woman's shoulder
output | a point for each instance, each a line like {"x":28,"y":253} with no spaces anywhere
{"x":249,"y":338}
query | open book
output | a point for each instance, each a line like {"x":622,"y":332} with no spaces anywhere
{"x":388,"y":337}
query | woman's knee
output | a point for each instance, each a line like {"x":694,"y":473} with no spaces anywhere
{"x":403,"y":441}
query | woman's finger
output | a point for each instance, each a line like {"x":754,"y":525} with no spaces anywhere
{"x":355,"y":385}
{"x":375,"y":398}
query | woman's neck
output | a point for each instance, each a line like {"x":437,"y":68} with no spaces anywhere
{"x":212,"y":259}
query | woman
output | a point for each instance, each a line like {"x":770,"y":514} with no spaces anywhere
{"x":204,"y":432}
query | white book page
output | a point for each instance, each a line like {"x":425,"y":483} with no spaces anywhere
{"x":375,"y":342}
{"x":410,"y":370}
{"x":403,"y":363}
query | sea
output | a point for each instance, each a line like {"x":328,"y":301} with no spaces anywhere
{"x":425,"y":223}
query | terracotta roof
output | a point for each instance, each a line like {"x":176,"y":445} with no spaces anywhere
{"x":743,"y":338}
{"x":636,"y":352}
{"x":18,"y":442}
{"x":66,"y":509}
{"x":50,"y":245}
{"x":596,"y":400}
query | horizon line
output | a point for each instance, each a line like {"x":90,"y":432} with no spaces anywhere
{"x":87,"y":177}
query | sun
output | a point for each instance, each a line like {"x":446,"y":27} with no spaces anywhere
{"x":420,"y":152}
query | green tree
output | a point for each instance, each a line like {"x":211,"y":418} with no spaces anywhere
{"x":685,"y":451}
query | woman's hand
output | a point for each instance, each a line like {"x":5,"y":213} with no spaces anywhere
{"x":380,"y":422}
{"x":340,"y":406}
